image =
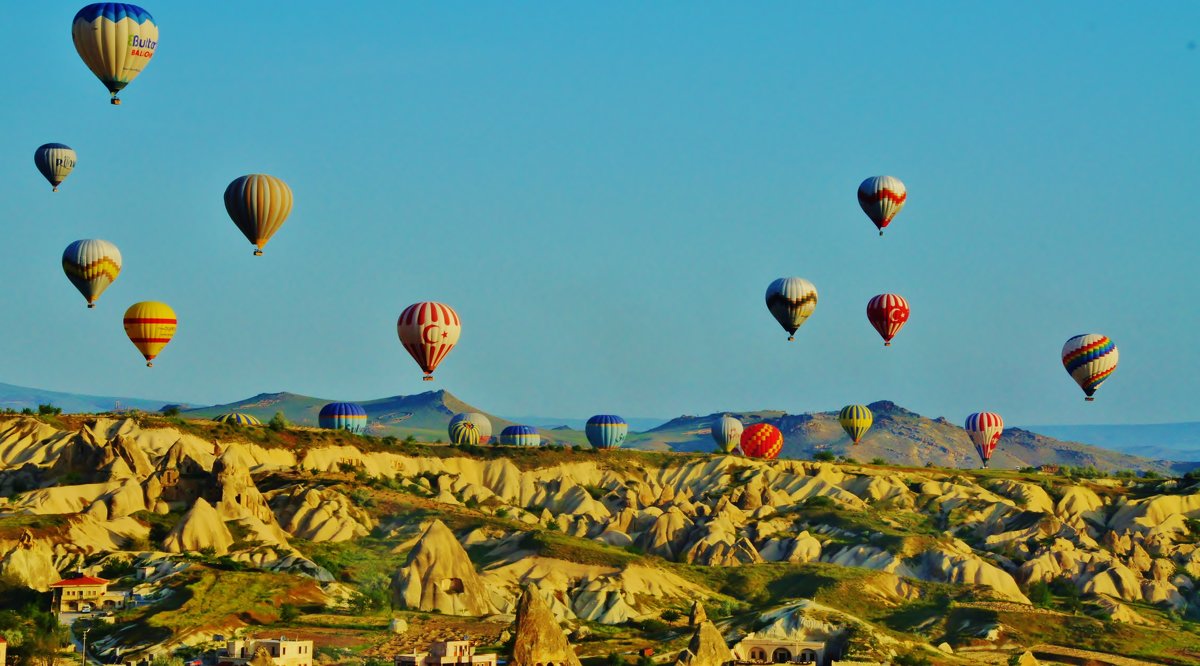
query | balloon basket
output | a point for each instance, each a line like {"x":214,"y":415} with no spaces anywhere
{"x":149,"y":364}
{"x":54,"y":189}
{"x":791,"y":338}
{"x":427,"y":378}
{"x":1089,"y":399}
{"x":881,"y":232}
{"x":258,"y":253}
{"x":887,"y":344}
{"x":116,"y":101}
{"x":91,"y":305}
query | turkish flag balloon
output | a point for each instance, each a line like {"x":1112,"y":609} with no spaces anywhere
{"x":428,"y":331}
{"x":888,"y":314}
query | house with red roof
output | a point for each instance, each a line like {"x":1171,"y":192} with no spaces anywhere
{"x":84,"y":594}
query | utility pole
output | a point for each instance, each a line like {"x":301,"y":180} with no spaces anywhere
{"x":85,"y":633}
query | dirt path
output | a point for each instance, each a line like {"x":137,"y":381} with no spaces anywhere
{"x":1085,"y":656}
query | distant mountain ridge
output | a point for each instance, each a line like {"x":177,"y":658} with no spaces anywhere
{"x":898,"y":435}
{"x":1174,"y":441}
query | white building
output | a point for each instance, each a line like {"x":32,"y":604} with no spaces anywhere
{"x":239,"y":652}
{"x":447,"y":653}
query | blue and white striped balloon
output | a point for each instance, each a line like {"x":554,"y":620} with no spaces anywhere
{"x":55,"y":161}
{"x":343,"y":416}
{"x":606,"y":431}
{"x":520,"y":435}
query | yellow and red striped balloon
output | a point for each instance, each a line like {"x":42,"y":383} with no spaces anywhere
{"x":428,"y":331}
{"x":150,"y":325}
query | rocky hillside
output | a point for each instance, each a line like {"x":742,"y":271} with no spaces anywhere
{"x":230,"y":525}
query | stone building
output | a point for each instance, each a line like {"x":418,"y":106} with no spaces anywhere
{"x":759,"y":650}
{"x":281,"y":651}
{"x":447,"y":653}
{"x":83,"y":594}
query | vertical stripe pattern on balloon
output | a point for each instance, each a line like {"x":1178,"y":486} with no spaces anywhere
{"x":520,"y":435}
{"x":343,"y":416}
{"x":480,"y":422}
{"x":55,"y":161}
{"x":856,"y":420}
{"x":116,"y":41}
{"x":888,"y":313}
{"x":791,"y":301}
{"x":984,"y":429}
{"x":259,"y":205}
{"x":727,"y":433}
{"x":428,"y":332}
{"x":606,"y":431}
{"x":91,"y":265}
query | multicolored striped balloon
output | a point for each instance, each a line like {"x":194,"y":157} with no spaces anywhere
{"x":91,"y":265}
{"x":150,"y":325}
{"x":606,"y":431}
{"x":887,"y":313}
{"x":985,"y":429}
{"x":520,"y":435}
{"x":238,"y":418}
{"x":428,"y":331}
{"x":1090,"y":358}
{"x":856,"y":420}
{"x":791,"y":301}
{"x":116,"y":41}
{"x":258,"y":204}
{"x":762,"y":440}
{"x":343,"y":416}
{"x":727,"y":433}
{"x":881,"y":198}
{"x":481,"y":423}
{"x":55,"y":161}
{"x":464,"y":433}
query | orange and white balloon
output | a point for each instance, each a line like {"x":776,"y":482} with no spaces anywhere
{"x":428,"y":331}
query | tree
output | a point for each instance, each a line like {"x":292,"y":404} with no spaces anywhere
{"x":166,"y":660}
{"x":278,"y":422}
{"x":171,"y":410}
{"x":49,"y":410}
{"x":1040,"y":594}
{"x":670,"y":615}
{"x":288,"y":613}
{"x":824,"y":456}
{"x":614,"y":659}
{"x":878,"y":461}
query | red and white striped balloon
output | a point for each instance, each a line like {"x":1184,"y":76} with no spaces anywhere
{"x":985,"y":429}
{"x":428,"y":331}
{"x":881,"y":198}
{"x":888,"y":313}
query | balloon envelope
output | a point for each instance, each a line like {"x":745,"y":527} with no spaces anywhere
{"x":856,"y":420}
{"x":1090,"y":358}
{"x":258,"y":204}
{"x":606,"y":431}
{"x":464,"y":433}
{"x":428,"y":331}
{"x":887,"y":313}
{"x":520,"y":435}
{"x":343,"y":416}
{"x":727,"y":433}
{"x":881,"y":198}
{"x":791,"y":301}
{"x":238,"y":418}
{"x":483,"y":425}
{"x":762,"y":440}
{"x":91,"y":265}
{"x":984,"y":429}
{"x":150,"y":325}
{"x":116,"y":41}
{"x":55,"y":161}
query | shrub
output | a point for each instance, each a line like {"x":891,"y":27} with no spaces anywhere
{"x":912,"y":659}
{"x":878,"y":461}
{"x":171,"y":410}
{"x":824,"y":456}
{"x":27,"y":411}
{"x":49,"y":410}
{"x":288,"y":613}
{"x":614,"y":659}
{"x":819,"y":502}
{"x":671,"y":615}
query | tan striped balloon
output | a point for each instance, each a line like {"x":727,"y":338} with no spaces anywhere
{"x":258,"y":204}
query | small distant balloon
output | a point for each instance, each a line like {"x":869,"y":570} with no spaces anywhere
{"x":55,"y":161}
{"x":881,"y":198}
{"x":1091,"y":358}
{"x":887,"y":313}
{"x":727,"y":433}
{"x":791,"y":301}
{"x":91,"y":265}
{"x":238,"y":418}
{"x":856,"y":420}
{"x":150,"y":325}
{"x":606,"y":431}
{"x":984,"y":429}
{"x":428,"y":331}
{"x":343,"y":416}
{"x":116,"y":41}
{"x":259,"y":205}
{"x":520,"y":435}
{"x":762,"y":440}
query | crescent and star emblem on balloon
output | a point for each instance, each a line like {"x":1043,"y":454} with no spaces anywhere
{"x":433,"y":335}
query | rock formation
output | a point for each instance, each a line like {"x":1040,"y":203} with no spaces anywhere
{"x":539,"y":641}
{"x":199,"y":529}
{"x":707,"y":648}
{"x":438,"y":576}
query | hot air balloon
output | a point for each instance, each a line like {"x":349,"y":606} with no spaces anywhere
{"x":856,"y":420}
{"x":881,"y":198}
{"x":606,"y":431}
{"x":762,"y":440}
{"x":116,"y":41}
{"x":343,"y":416}
{"x":888,"y":314}
{"x":1090,"y":358}
{"x":150,"y":325}
{"x":91,"y":265}
{"x":55,"y":161}
{"x":985,"y":429}
{"x":238,"y":418}
{"x":258,"y":204}
{"x":727,"y":433}
{"x":520,"y":435}
{"x":791,"y":301}
{"x":464,"y":433}
{"x":482,"y":425}
{"x":428,"y":331}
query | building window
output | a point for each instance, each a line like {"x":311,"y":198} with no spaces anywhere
{"x":758,"y":654}
{"x":782,"y":656}
{"x":808,"y":656}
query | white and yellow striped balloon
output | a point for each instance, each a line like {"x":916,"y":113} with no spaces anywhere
{"x":55,"y":161}
{"x":258,"y":204}
{"x":91,"y":265}
{"x":116,"y":41}
{"x":791,"y":301}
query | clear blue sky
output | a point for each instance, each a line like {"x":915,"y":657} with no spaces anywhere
{"x":603,"y":191}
